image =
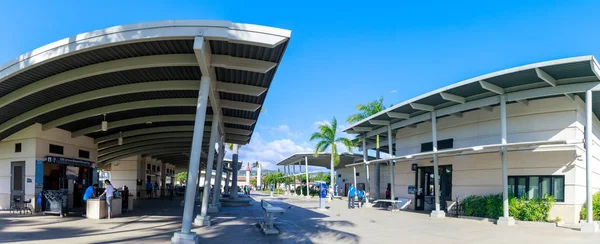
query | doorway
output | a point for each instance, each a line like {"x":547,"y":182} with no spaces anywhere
{"x":17,"y":181}
{"x":425,"y":194}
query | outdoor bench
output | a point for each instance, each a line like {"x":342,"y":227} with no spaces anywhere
{"x":268,"y":210}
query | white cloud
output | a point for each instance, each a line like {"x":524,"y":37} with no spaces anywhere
{"x":393,"y":91}
{"x":324,"y":122}
{"x":283,"y":130}
{"x":271,"y":152}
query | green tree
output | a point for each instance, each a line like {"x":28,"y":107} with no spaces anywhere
{"x":253,"y":182}
{"x":366,"y":110}
{"x":326,"y":137}
{"x":181,"y":177}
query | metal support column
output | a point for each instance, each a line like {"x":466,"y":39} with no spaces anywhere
{"x":505,"y":219}
{"x":391,"y":164}
{"x":590,"y":225}
{"x":365,"y":156}
{"x":218,"y":176}
{"x":307,"y":180}
{"x":190,"y":192}
{"x":436,"y":173}
{"x":233,"y":191}
{"x":377,"y":176}
{"x":203,"y":219}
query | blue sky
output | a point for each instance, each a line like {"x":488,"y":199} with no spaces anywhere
{"x":342,"y":53}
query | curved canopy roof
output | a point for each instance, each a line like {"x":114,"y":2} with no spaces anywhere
{"x":322,"y":159}
{"x":563,"y":77}
{"x":144,"y":80}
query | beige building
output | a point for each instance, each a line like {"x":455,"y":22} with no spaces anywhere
{"x":536,"y":113}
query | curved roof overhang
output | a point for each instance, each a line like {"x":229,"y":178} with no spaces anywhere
{"x":568,"y":77}
{"x":145,"y":79}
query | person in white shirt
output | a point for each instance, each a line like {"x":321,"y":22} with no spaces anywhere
{"x":109,"y":192}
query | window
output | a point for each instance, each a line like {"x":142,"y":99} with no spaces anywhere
{"x":18,"y":147}
{"x":158,"y":168}
{"x":537,"y":186}
{"x":153,"y":167}
{"x":56,"y":149}
{"x":148,"y":166}
{"x":84,"y":154}
{"x":357,"y":174}
{"x":339,"y":175}
{"x":441,"y":145}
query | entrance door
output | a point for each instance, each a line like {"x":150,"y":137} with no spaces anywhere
{"x":17,"y":181}
{"x":425,"y":194}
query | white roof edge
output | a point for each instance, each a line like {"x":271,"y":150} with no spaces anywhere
{"x":477,"y":79}
{"x":312,"y":154}
{"x":142,"y":26}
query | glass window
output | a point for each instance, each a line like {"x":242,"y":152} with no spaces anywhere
{"x":511,"y":186}
{"x":56,"y":149}
{"x":18,"y":178}
{"x":534,"y":186}
{"x":18,"y":147}
{"x":84,"y":154}
{"x":559,"y":188}
{"x":521,"y":186}
{"x":546,"y":185}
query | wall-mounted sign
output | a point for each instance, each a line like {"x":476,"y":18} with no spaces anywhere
{"x":39,"y":173}
{"x":70,"y":161}
{"x":414,"y":167}
{"x":412,"y":189}
{"x":29,"y":180}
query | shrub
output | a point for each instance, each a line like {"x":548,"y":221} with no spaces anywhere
{"x":595,"y":208}
{"x":490,"y":206}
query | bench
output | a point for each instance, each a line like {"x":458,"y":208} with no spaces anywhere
{"x":268,"y":210}
{"x":398,"y":204}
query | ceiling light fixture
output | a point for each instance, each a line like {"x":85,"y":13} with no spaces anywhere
{"x":120,"y":140}
{"x":104,"y":124}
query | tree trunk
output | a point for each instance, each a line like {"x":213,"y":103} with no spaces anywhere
{"x":332,"y":178}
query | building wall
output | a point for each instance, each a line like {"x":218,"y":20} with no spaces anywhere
{"x":35,"y":146}
{"x":347,"y":177}
{"x":124,"y":172}
{"x":478,"y":174}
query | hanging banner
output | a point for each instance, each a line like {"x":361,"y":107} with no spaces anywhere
{"x":70,"y":161}
{"x":39,"y":173}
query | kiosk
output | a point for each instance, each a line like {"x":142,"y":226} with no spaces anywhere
{"x":322,"y":195}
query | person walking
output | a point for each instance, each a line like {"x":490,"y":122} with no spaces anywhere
{"x":361,"y":196}
{"x":109,"y":193}
{"x":90,"y":192}
{"x":148,"y":190}
{"x":351,"y":194}
{"x":155,"y":188}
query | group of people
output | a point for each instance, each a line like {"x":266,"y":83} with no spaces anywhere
{"x":151,"y":190}
{"x":353,"y":193}
{"x":246,"y":190}
{"x":90,"y":193}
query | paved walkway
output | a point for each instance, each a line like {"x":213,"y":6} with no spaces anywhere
{"x":156,"y":220}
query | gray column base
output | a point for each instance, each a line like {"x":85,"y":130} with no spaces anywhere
{"x":589,"y":227}
{"x":182,"y":238}
{"x":202,"y":220}
{"x":213,"y":209}
{"x":437,"y":214}
{"x":506,"y":221}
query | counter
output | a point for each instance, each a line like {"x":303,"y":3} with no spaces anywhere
{"x":96,"y":208}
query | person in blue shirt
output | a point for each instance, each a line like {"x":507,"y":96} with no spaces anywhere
{"x":149,"y":190}
{"x":351,"y":194}
{"x":90,"y":192}
{"x":361,"y":195}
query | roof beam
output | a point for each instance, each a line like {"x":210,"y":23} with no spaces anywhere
{"x":423,"y":107}
{"x":237,"y":131}
{"x":99,"y":69}
{"x":452,"y":97}
{"x":245,"y":64}
{"x":203,"y":54}
{"x":238,"y":121}
{"x":523,"y":102}
{"x":240,"y":89}
{"x":238,"y":138}
{"x":488,"y":108}
{"x":152,"y":130}
{"x":570,"y":96}
{"x":239,"y":105}
{"x":362,"y":129}
{"x":138,"y":120}
{"x":545,"y":77}
{"x":491,"y":87}
{"x":458,"y":115}
{"x":173,"y":102}
{"x":114,"y":143}
{"x":128,"y":145}
{"x":397,"y":115}
{"x":144,"y":148}
{"x":379,"y":122}
{"x":101,"y":93}
{"x":142,"y":152}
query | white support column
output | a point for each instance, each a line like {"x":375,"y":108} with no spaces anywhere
{"x":391,"y":164}
{"x":226,"y":186}
{"x":233,"y":191}
{"x":437,"y":213}
{"x":505,"y":219}
{"x":590,"y":225}
{"x":354,"y":168}
{"x":186,"y":235}
{"x":365,"y":155}
{"x":306,"y":171}
{"x":294,"y":178}
{"x":218,"y":177}
{"x":203,"y":219}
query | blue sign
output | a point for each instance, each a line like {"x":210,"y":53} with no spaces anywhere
{"x":70,"y":161}
{"x":272,"y":188}
{"x":39,"y":173}
{"x":323,"y":190}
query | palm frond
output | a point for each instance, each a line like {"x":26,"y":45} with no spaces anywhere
{"x":346,"y":142}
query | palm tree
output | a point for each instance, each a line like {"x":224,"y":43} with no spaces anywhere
{"x":366,"y":110}
{"x":325,"y":138}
